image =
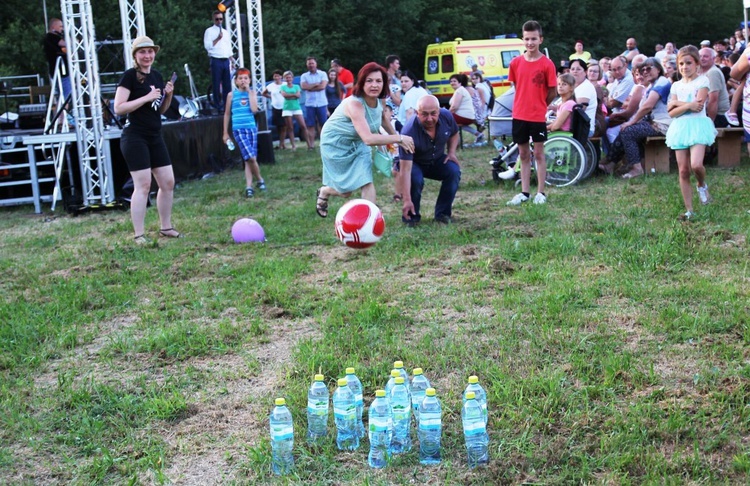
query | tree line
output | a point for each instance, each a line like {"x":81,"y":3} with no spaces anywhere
{"x":359,"y":31}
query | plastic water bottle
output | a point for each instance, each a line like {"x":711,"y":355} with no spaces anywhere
{"x":317,"y":411}
{"x":479,"y":393}
{"x":282,"y":438}
{"x":419,"y":384}
{"x":475,"y":432}
{"x":380,"y":425}
{"x":399,"y":365}
{"x":345,"y":413}
{"x":429,"y":428}
{"x":230,"y":145}
{"x":356,"y":387}
{"x":391,"y":383}
{"x":401,"y":414}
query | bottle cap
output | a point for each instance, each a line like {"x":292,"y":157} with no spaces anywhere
{"x":379,"y":393}
{"x":342,"y":382}
{"x":470,"y":395}
{"x":400,"y":380}
{"x":430,"y":392}
{"x":319,"y":377}
{"x":395,"y":373}
{"x":280,"y":402}
{"x":350,"y":371}
{"x":416,"y":371}
{"x":473,"y":379}
{"x":398,"y":364}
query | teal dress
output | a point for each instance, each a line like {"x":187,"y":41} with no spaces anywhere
{"x":347,"y":161}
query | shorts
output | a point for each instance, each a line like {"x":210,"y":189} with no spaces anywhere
{"x":247,"y":141}
{"x":313,"y":113}
{"x":143,"y":152}
{"x":277,"y":117}
{"x":288,"y":113}
{"x":523,"y":130}
{"x":462,"y":121}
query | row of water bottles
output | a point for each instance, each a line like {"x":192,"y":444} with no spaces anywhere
{"x":389,"y":419}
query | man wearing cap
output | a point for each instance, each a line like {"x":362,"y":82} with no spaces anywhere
{"x":218,"y":44}
{"x":717,"y":103}
{"x":345,"y":76}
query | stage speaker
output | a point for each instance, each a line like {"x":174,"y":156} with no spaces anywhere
{"x":31,"y":116}
{"x":265,"y":148}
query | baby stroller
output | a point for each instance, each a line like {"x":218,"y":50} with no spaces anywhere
{"x":501,"y":129}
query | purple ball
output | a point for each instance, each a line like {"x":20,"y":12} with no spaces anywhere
{"x":246,"y":230}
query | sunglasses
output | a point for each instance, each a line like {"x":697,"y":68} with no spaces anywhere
{"x":218,"y":18}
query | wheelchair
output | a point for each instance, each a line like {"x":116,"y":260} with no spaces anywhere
{"x":571,"y":157}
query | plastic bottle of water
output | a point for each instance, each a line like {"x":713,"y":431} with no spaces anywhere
{"x":429,"y":428}
{"x":401,"y":414}
{"x":475,"y":432}
{"x":391,"y":383}
{"x":317,"y":411}
{"x":380,"y":424}
{"x":345,"y":413}
{"x":230,"y":145}
{"x":419,"y":384}
{"x":356,"y":387}
{"x":282,"y":438}
{"x":479,"y":393}
{"x":399,"y":365}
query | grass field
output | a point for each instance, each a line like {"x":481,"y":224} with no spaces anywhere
{"x":612,"y":339}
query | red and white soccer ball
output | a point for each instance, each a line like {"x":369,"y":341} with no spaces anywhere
{"x":359,"y":224}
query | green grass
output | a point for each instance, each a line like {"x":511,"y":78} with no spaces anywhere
{"x":611,"y":338}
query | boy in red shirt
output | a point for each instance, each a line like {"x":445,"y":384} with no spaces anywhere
{"x":535,"y":79}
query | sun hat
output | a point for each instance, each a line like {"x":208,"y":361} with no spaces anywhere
{"x":143,"y":42}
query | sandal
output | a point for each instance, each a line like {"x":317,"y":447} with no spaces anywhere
{"x":321,"y":207}
{"x":170,"y":233}
{"x":140,"y":240}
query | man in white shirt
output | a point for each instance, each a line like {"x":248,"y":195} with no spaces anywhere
{"x":218,"y":44}
{"x":314,"y":82}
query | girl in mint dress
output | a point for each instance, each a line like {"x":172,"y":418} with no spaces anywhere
{"x":349,"y":134}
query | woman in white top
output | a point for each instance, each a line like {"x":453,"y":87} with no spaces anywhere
{"x":483,"y":89}
{"x":462,"y":106}
{"x":585,"y":92}
{"x":411,"y":94}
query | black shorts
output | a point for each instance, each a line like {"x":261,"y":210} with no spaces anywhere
{"x":144,"y":151}
{"x":523,"y":130}
{"x":278,"y":120}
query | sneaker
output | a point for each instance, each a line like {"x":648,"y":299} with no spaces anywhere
{"x":507,"y":175}
{"x":703,"y":195}
{"x":517,"y":200}
{"x":249,"y":192}
{"x":480,"y":138}
{"x":540,"y":198}
{"x":687,"y":216}
{"x":261,"y":185}
{"x":732,"y":119}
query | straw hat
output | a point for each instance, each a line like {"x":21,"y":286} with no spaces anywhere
{"x":141,"y":43}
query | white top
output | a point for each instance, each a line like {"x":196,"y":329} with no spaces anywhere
{"x":686,"y":91}
{"x":409,"y":101}
{"x":277,"y":99}
{"x":223,"y":48}
{"x":587,"y":90}
{"x":466,"y":108}
{"x":484,"y":88}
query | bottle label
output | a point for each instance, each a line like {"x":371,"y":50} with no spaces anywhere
{"x":317,"y":407}
{"x":282,"y":432}
{"x":401,"y":412}
{"x":429,"y":421}
{"x":380,"y":424}
{"x":358,"y":399}
{"x":345,"y":412}
{"x":475,"y":428}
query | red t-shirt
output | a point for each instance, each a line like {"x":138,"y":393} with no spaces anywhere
{"x":346,"y":77}
{"x":532,"y":80}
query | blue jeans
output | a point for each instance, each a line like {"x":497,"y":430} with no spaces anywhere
{"x":312,"y":113}
{"x":221,"y":82}
{"x":449,"y":173}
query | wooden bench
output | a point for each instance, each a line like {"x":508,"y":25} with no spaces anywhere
{"x":728,"y":144}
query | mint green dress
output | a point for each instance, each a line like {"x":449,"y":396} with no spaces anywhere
{"x":347,"y":161}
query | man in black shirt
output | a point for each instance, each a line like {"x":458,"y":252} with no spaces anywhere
{"x":54,"y":48}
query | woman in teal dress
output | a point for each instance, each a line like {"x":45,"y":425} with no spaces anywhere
{"x":348,"y":135}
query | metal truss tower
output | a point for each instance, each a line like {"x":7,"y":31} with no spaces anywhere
{"x":233,"y":21}
{"x":93,"y":150}
{"x":257,"y":58}
{"x":133,"y":25}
